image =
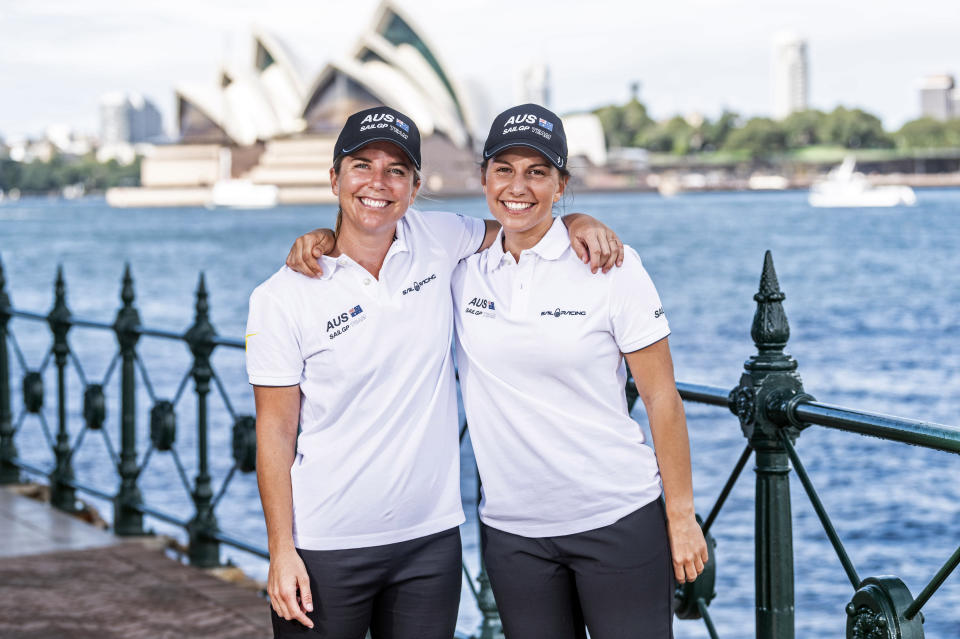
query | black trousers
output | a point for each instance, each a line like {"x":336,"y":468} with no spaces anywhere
{"x":407,"y":590}
{"x":617,"y":580}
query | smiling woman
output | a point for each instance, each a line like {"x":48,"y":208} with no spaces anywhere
{"x":573,"y":529}
{"x":354,"y":519}
{"x":362,"y":507}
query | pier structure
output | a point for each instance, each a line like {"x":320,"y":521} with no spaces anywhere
{"x":770,"y":403}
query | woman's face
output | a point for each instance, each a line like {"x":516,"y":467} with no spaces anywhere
{"x":375,"y":187}
{"x":521,"y":187}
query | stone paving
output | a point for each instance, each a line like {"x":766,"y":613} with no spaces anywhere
{"x":63,"y":578}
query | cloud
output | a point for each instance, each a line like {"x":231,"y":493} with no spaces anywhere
{"x":689,"y":54}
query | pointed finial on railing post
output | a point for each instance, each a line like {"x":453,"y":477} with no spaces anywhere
{"x":204,"y":549}
{"x":9,"y":473}
{"x":770,"y":330}
{"x":127,"y":519}
{"x":62,"y":494}
{"x":203,"y":304}
{"x":126,"y":291}
{"x":769,"y":385}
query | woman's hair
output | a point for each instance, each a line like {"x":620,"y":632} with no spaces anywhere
{"x":338,"y":164}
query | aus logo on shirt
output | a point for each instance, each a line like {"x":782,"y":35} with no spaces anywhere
{"x":339,"y":324}
{"x":481,"y":306}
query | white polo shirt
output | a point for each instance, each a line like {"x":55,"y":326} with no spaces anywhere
{"x":539,"y":347}
{"x":378,"y":453}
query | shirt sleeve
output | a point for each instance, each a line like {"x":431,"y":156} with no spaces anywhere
{"x":636,"y":314}
{"x":272,"y":343}
{"x":460,"y":236}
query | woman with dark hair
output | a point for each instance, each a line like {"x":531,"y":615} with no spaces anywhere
{"x":362,"y":506}
{"x":574,"y":531}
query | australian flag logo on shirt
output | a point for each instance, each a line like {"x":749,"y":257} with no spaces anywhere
{"x":356,"y":310}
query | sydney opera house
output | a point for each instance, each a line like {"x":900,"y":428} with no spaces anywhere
{"x":267,"y":130}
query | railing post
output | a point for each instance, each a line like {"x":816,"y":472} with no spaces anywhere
{"x":127,"y":520}
{"x":491,"y":626}
{"x":768,"y":382}
{"x":9,"y":473}
{"x":62,"y":495}
{"x":204,"y":550}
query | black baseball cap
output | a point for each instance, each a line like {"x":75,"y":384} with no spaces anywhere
{"x":379,"y":124}
{"x":528,"y":125}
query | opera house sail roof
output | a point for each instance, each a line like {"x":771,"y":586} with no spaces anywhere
{"x":272,"y":121}
{"x":392,"y":63}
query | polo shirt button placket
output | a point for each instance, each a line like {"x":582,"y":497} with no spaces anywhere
{"x":521,"y":290}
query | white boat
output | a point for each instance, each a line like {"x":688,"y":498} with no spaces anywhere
{"x":844,"y":187}
{"x":242,"y":194}
{"x":759,"y":182}
{"x":238,"y":193}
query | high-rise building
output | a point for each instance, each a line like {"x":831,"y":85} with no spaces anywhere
{"x":128,"y":118}
{"x":938,"y":97}
{"x":532,"y":84}
{"x":790,"y":74}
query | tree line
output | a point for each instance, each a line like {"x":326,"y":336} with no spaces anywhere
{"x":51,"y":176}
{"x":630,"y":125}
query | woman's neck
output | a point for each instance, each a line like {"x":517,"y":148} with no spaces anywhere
{"x":367,"y":250}
{"x":514,"y":242}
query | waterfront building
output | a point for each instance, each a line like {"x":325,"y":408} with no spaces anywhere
{"x":274,"y":122}
{"x":128,"y":118}
{"x":27,"y":150}
{"x":790,"y":74}
{"x":67,"y":141}
{"x":532,"y":84}
{"x":585,"y":140}
{"x":938,"y":97}
{"x":129,"y":123}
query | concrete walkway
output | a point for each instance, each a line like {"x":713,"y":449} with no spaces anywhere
{"x":63,"y":578}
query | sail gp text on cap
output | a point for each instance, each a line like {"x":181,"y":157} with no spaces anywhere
{"x":379,"y":124}
{"x":532,"y":126}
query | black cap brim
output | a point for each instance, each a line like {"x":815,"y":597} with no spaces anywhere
{"x":393,"y":141}
{"x":544,"y":151}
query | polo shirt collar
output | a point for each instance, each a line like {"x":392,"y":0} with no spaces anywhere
{"x":550,"y":247}
{"x":331,"y":264}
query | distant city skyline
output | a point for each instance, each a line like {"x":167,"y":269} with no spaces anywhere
{"x":791,"y":74}
{"x":693,"y":56}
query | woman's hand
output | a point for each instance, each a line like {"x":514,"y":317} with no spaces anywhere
{"x":287,"y":576}
{"x":304,"y":255}
{"x":594,"y":242}
{"x":688,"y":547}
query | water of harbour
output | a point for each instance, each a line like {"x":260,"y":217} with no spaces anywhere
{"x":873,"y":300}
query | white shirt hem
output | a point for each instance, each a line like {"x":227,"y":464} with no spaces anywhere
{"x":643,"y":342}
{"x":557,"y":529}
{"x":265,"y":380}
{"x":379,"y":539}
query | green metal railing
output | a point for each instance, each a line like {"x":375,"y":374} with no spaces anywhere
{"x":769,"y":401}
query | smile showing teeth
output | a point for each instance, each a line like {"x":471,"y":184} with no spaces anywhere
{"x":517,"y":206}
{"x":372,"y":203}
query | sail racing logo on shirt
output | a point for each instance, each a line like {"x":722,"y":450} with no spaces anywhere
{"x":559,"y":313}
{"x":415,"y":287}
{"x":342,"y":322}
{"x":482,"y":307}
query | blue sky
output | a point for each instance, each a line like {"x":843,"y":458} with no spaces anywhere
{"x":58,"y":56}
